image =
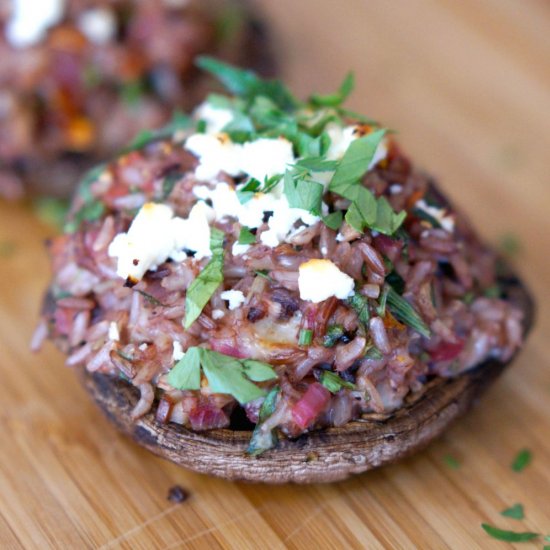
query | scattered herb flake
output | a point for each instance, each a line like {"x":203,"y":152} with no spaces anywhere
{"x":336,"y":99}
{"x":302,"y":193}
{"x":404,"y":312}
{"x":305,"y":337}
{"x":360,"y":305}
{"x":246,"y":236}
{"x":263,"y":440}
{"x":334,"y":220}
{"x":508,"y":536}
{"x":333,"y":383}
{"x":332,"y":335}
{"x":515,"y":512}
{"x":522,"y":460}
{"x":209,"y":279}
{"x":149,"y":297}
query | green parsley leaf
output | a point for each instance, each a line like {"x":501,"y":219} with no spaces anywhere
{"x":355,"y":163}
{"x":258,"y":371}
{"x":387,"y":221}
{"x":452,"y":462}
{"x":246,"y":83}
{"x":404,"y":312}
{"x":186,"y":374}
{"x":333,"y":383}
{"x":317,"y":164}
{"x":263,"y":440}
{"x":226,"y":374}
{"x":334,"y":220}
{"x":522,"y":460}
{"x":508,"y":536}
{"x":304,"y":194}
{"x":209,"y":279}
{"x":336,"y":99}
{"x":246,"y":236}
{"x":514,"y":512}
{"x":362,"y":212}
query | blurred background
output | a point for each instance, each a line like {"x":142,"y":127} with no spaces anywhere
{"x":467,"y":87}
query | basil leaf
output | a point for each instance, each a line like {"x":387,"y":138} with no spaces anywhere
{"x":246,"y":236}
{"x":336,"y":99}
{"x":261,"y":439}
{"x":186,"y":375}
{"x":258,"y":371}
{"x":303,"y":194}
{"x":246,"y":83}
{"x":404,"y":312}
{"x":355,"y":162}
{"x":522,"y":460}
{"x":226,"y":375}
{"x":334,"y":220}
{"x":333,"y":383}
{"x":514,"y":512}
{"x":209,"y":279}
{"x":508,"y":536}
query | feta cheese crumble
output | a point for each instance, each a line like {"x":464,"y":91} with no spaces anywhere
{"x":98,"y":25}
{"x":177,"y":351}
{"x":318,"y":280}
{"x":235,"y":298}
{"x":31,"y":19}
{"x":114,"y":333}
{"x":216,"y":118}
{"x":446,"y":220}
{"x":156,"y":235}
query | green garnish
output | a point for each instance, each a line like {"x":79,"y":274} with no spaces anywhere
{"x":225,"y":374}
{"x":246,"y":236}
{"x":508,"y":536}
{"x":132,"y":92}
{"x":336,"y":99}
{"x":404,"y":312}
{"x":333,"y":383}
{"x":149,"y":297}
{"x":334,"y":220}
{"x":200,"y":128}
{"x":360,"y":305}
{"x":332,"y":335}
{"x":522,"y":460}
{"x":169,"y":183}
{"x":492,"y":292}
{"x":209,"y":279}
{"x":452,"y":462}
{"x":303,"y":193}
{"x":305,"y":337}
{"x":514,"y":512}
{"x":261,"y":439}
{"x":51,"y":210}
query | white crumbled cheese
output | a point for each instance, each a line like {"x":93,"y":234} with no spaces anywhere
{"x":216,"y":118}
{"x":446,"y":220}
{"x":341,"y":139}
{"x":98,"y":25}
{"x":217,"y":314}
{"x":177,"y":352}
{"x":143,"y":347}
{"x":318,"y":280}
{"x":235,"y":298}
{"x":259,"y":159}
{"x":114,"y":333}
{"x":156,"y":235}
{"x":239,"y":249}
{"x":396,"y":188}
{"x":31,"y":19}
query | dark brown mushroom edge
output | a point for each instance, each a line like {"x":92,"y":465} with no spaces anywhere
{"x":322,"y":456}
{"x":78,"y":87}
{"x":269,"y":290}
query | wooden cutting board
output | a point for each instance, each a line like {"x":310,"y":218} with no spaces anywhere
{"x":467,"y":83}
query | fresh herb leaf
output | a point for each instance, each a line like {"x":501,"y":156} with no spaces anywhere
{"x":209,"y":279}
{"x":374,"y":353}
{"x":332,"y":335}
{"x":227,"y":375}
{"x":263,"y":273}
{"x":387,"y":221}
{"x":304,"y":194}
{"x":245,"y":193}
{"x":334,"y":220}
{"x":423,"y":215}
{"x":363,"y":210}
{"x":396,"y":281}
{"x":91,"y":211}
{"x":263,"y":440}
{"x":333,"y":383}
{"x":452,"y":462}
{"x":258,"y":371}
{"x":246,"y":83}
{"x":355,"y":163}
{"x":169,"y":183}
{"x":360,"y":305}
{"x":515,"y":512}
{"x":305,"y":337}
{"x":508,"y":536}
{"x":200,"y":128}
{"x":404,"y":312}
{"x":522,"y":460}
{"x":246,"y":236}
{"x":186,"y":374}
{"x":317,"y":164}
{"x":336,"y":99}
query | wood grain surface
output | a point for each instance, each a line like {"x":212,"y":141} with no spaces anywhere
{"x":467,"y":83}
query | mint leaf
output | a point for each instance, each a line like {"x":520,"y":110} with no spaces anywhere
{"x":508,"y":536}
{"x":209,"y":279}
{"x":336,"y":99}
{"x":522,"y":460}
{"x":514,"y":512}
{"x":186,"y":374}
{"x":333,"y":383}
{"x":246,"y":236}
